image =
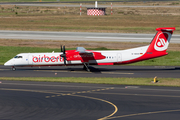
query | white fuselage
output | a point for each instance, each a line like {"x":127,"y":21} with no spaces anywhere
{"x":54,"y":59}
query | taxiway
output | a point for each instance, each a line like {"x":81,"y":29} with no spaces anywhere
{"x":69,"y":101}
{"x":96,"y":71}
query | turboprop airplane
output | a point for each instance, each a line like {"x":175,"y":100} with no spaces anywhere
{"x":81,"y":56}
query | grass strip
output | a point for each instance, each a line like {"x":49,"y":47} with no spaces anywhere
{"x":175,"y":82}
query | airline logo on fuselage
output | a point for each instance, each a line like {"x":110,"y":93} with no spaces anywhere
{"x":162,"y":41}
{"x":83,"y":56}
{"x":44,"y":58}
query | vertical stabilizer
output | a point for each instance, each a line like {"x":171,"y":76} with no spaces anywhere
{"x":161,"y":40}
{"x":158,"y":45}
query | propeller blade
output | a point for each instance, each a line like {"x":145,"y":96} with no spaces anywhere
{"x":64,"y":50}
{"x":64,"y":54}
{"x":65,"y":60}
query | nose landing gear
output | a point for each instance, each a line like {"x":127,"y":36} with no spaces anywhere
{"x":13,"y":68}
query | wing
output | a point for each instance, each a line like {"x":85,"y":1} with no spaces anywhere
{"x":82,"y":50}
{"x":84,"y":55}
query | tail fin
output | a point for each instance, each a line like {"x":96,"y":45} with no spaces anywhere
{"x":160,"y":42}
{"x":158,"y":45}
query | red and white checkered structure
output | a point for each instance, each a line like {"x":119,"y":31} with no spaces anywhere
{"x":96,"y":11}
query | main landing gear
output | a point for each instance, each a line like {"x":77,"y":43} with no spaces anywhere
{"x":13,"y":68}
{"x":86,"y":67}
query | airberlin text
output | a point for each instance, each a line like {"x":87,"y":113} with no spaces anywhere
{"x":44,"y":58}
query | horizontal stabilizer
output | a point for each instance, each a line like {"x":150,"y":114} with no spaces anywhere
{"x":165,"y":29}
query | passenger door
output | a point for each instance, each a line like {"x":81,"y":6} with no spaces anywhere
{"x":119,"y":58}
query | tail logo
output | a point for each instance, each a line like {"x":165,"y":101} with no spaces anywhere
{"x":162,"y":41}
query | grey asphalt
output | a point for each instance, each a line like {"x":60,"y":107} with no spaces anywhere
{"x":68,"y":101}
{"x":81,"y":36}
{"x":96,"y":71}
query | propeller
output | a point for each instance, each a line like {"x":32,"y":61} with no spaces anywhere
{"x":64,"y":54}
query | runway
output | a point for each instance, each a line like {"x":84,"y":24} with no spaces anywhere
{"x":81,"y":36}
{"x":96,"y":71}
{"x":68,"y":101}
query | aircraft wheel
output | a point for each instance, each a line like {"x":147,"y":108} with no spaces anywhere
{"x":13,"y":69}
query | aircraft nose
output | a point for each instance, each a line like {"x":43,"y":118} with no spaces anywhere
{"x":8,"y":63}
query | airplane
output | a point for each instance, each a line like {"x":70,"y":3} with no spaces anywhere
{"x":81,"y":56}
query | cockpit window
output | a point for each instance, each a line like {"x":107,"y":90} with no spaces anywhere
{"x":18,"y":57}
